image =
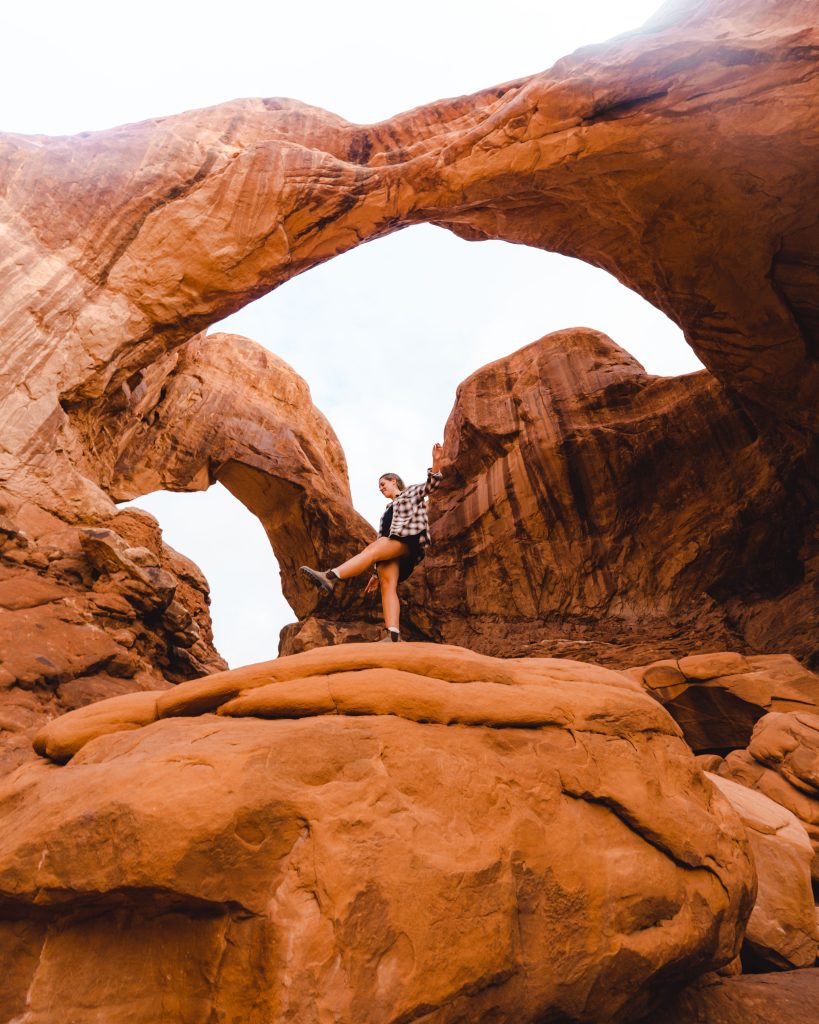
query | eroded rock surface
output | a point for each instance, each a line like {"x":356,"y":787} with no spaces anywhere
{"x":678,"y":157}
{"x":511,"y":843}
{"x":111,"y":608}
{"x":782,"y":761}
{"x":88,"y":613}
{"x":781,"y":932}
{"x":717,"y":698}
{"x":223,"y":408}
{"x":591,"y":510}
{"x":375,"y":835}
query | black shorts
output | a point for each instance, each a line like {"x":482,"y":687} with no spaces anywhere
{"x":407,"y":562}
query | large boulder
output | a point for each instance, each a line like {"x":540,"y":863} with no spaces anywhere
{"x":373,"y":835}
{"x":782,"y":762}
{"x":718,"y":698}
{"x":789,"y":998}
{"x":781,"y":931}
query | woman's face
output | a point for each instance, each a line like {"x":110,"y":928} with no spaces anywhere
{"x":389,"y":488}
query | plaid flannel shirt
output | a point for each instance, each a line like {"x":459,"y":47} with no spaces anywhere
{"x":409,"y":510}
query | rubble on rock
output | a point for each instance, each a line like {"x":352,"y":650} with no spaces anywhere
{"x":90,"y":613}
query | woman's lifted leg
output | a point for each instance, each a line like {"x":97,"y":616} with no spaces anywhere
{"x":382,"y":549}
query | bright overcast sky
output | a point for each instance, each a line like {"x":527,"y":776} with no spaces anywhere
{"x":382,"y":334}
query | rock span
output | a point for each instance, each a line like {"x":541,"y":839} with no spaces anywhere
{"x":677,"y":157}
{"x":423,"y":832}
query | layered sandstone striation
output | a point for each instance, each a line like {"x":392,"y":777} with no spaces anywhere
{"x":421,"y":832}
{"x":678,"y":157}
{"x":592,"y":510}
{"x":325,"y":841}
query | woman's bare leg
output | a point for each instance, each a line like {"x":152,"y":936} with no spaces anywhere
{"x":388,"y":578}
{"x":381,"y":550}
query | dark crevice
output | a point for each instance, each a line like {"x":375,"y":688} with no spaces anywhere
{"x":147,"y":901}
{"x":616,"y":110}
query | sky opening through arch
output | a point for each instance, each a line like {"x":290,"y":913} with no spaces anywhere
{"x":383,"y":334}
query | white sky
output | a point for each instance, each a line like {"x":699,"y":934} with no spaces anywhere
{"x":382,"y":334}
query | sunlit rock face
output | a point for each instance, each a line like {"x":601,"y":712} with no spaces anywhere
{"x":361,"y":834}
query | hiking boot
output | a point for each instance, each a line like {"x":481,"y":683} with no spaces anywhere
{"x":319,"y":579}
{"x":390,"y":638}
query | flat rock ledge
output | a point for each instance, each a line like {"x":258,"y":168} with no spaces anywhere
{"x":367,"y":834}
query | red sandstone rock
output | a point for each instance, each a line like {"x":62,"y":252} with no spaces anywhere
{"x":782,"y":761}
{"x":781,"y":932}
{"x":91,"y":622}
{"x":789,"y":998}
{"x":717,"y":698}
{"x":679,"y":157}
{"x":226,"y":409}
{"x":358,"y":858}
{"x":573,"y":512}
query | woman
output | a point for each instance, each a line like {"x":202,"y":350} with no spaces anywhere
{"x":402,"y":536}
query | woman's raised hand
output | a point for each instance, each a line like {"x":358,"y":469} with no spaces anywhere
{"x":437,"y":451}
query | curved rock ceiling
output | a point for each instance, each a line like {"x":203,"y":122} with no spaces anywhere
{"x":678,"y":157}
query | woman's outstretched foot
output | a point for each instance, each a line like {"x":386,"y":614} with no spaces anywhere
{"x":391,"y":636}
{"x":323,"y":580}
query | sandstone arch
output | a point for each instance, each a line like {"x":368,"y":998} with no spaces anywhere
{"x":658,"y":156}
{"x":678,"y":157}
{"x":222,"y":408}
